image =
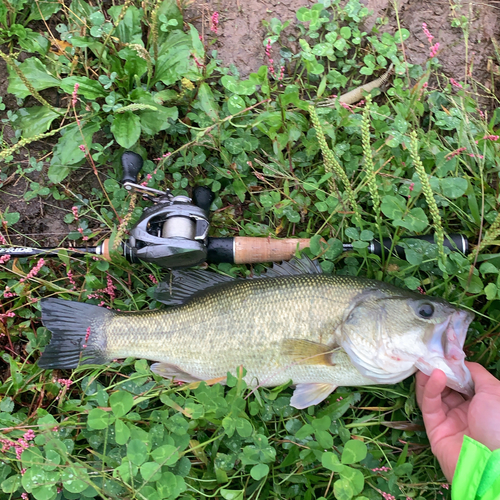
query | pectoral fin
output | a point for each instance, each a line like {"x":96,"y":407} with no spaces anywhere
{"x":305,"y":351}
{"x":310,"y":394}
{"x":171,"y":371}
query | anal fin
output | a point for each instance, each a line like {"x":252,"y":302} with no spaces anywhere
{"x":166,"y":370}
{"x":310,"y":394}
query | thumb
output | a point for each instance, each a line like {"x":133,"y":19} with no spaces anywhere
{"x":484,"y":381}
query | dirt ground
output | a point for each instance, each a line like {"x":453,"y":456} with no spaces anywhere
{"x":469,"y":57}
{"x":241,"y":34}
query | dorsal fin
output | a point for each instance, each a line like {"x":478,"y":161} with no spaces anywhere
{"x":184,"y":284}
{"x":293,"y":267}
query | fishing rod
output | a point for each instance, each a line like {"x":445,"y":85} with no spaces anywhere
{"x":173,"y":233}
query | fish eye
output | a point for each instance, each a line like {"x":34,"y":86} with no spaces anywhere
{"x":426,"y":310}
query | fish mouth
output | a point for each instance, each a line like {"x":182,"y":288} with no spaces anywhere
{"x":445,"y":352}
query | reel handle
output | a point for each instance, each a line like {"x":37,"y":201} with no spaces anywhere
{"x":132,"y":164}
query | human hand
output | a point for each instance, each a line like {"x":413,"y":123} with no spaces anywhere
{"x":448,"y":415}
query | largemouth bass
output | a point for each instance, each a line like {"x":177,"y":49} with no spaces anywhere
{"x":292,"y":324}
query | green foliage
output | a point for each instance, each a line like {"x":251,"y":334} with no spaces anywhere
{"x":170,"y":447}
{"x":146,"y":82}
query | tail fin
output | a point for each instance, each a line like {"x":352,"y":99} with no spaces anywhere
{"x":78,"y":334}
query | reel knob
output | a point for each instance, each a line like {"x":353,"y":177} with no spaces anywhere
{"x":132,"y":164}
{"x":203,"y":197}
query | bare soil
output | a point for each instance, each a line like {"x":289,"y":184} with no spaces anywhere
{"x":239,"y":42}
{"x":241,"y":33}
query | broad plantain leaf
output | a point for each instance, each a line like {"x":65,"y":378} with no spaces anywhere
{"x":129,"y":28}
{"x":207,"y":102}
{"x":68,"y":152}
{"x":126,"y":128}
{"x":34,"y":42}
{"x":43,"y":9}
{"x":35,"y":120}
{"x":134,"y":64}
{"x":35,"y":72}
{"x":173,"y":59}
{"x":154,"y":121}
{"x":90,"y":89}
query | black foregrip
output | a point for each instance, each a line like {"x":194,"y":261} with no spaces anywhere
{"x":132,"y":164}
{"x":457,"y":242}
{"x":220,"y":250}
{"x":453,"y":242}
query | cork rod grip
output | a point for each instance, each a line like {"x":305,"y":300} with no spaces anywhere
{"x":250,"y":250}
{"x":105,"y":249}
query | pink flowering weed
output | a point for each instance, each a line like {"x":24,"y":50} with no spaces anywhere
{"x":87,"y":335}
{"x":74,"y":97}
{"x":388,"y":496}
{"x":71,"y":279}
{"x":215,"y":22}
{"x":449,"y":156}
{"x":34,"y":271}
{"x":9,"y":314}
{"x":8,"y":294}
{"x":29,"y":435}
{"x":268,"y":48}
{"x":146,"y":181}
{"x":166,"y":155}
{"x":64,"y":381}
{"x":427,"y":33}
{"x":434,"y":50}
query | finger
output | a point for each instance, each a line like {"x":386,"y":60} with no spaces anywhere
{"x":483,"y":379}
{"x":421,"y":379}
{"x":432,"y":405}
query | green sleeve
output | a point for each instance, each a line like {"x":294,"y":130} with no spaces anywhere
{"x":477,"y":476}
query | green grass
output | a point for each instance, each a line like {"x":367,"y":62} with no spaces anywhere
{"x":148,"y":83}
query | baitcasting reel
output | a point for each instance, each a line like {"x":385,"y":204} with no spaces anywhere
{"x":173,"y":231}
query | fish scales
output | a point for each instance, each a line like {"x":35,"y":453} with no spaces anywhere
{"x":241,"y":323}
{"x":294,"y":324}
